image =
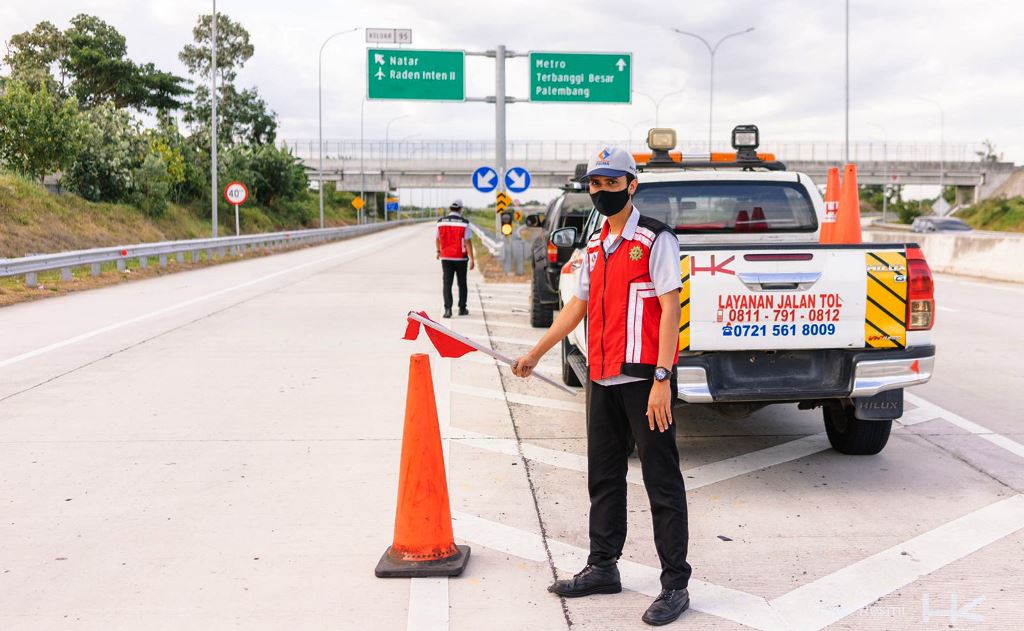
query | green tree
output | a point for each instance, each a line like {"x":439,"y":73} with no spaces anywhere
{"x":988,"y":152}
{"x":151,"y":186}
{"x":113,"y":148}
{"x":89,"y":61}
{"x":39,"y":131}
{"x":242,"y":117}
{"x":233,"y":48}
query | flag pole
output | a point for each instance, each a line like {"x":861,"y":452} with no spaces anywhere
{"x":485,"y":350}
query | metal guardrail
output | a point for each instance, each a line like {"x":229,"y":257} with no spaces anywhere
{"x":31,"y":266}
{"x":580,"y":150}
{"x":493,"y":245}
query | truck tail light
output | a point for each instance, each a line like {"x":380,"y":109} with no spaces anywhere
{"x":920,"y":292}
{"x":552,"y":253}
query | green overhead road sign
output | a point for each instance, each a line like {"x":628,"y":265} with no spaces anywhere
{"x":403,"y":73}
{"x":581,"y":77}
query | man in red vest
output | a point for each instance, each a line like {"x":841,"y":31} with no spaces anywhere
{"x":455,"y":250}
{"x":628,"y":288}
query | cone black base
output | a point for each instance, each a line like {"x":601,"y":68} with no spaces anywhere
{"x":452,"y":566}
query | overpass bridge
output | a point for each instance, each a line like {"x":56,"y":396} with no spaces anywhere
{"x":375,"y":165}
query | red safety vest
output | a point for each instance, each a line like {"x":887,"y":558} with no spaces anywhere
{"x":623,"y":312}
{"x":453,"y":231}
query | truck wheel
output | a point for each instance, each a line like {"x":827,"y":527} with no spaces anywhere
{"x":851,"y":435}
{"x":569,"y":377}
{"x":541,"y":316}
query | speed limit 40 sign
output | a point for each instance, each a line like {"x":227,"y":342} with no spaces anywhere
{"x":236,"y":193}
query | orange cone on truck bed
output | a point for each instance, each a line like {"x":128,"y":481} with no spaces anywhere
{"x":828,"y":226}
{"x":847,"y":228}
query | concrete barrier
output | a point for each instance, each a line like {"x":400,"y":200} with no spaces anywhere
{"x":983,"y":255}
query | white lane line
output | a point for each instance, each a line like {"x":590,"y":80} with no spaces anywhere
{"x":716,"y":600}
{"x":696,"y":477}
{"x":947,"y":279}
{"x":755,"y":461}
{"x":833,"y":597}
{"x":498,"y":323}
{"x":949,"y":309}
{"x":428,"y":604}
{"x":524,"y":399}
{"x":498,"y":338}
{"x":547,"y":367}
{"x":376,"y":243}
{"x":981,"y":432}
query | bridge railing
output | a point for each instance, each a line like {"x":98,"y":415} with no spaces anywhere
{"x":219,"y":247}
{"x":482,"y":151}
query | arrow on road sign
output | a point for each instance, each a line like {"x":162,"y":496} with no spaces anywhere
{"x":485,"y":179}
{"x":517,"y":179}
{"x":501,"y":202}
{"x":378,"y":58}
{"x":621,"y":63}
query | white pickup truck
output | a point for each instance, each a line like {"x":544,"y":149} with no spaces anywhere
{"x":769,"y":315}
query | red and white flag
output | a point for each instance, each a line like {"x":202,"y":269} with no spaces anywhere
{"x":450,"y":344}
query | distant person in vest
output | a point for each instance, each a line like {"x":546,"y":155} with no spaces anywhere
{"x":629,"y":290}
{"x":455,"y":249}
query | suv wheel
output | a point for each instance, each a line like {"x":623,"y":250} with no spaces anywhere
{"x":541,"y":315}
{"x":851,"y":435}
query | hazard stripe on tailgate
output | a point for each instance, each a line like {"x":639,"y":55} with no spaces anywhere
{"x":885,"y":324}
{"x":684,"y":304}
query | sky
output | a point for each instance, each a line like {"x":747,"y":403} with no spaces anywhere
{"x":786,"y":76}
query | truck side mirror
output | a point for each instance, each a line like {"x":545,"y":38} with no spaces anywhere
{"x":564,"y":237}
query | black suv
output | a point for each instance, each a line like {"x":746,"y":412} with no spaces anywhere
{"x":570,"y":209}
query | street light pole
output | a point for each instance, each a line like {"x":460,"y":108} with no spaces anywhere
{"x":942,"y":145}
{"x":387,"y":151}
{"x":213,"y":116}
{"x":885,"y":170}
{"x":629,"y":130}
{"x":846,"y":141}
{"x":711,"y":75}
{"x":657,"y":103}
{"x":362,"y":170}
{"x":320,"y":115}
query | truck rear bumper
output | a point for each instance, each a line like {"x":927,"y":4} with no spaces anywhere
{"x":780,"y":376}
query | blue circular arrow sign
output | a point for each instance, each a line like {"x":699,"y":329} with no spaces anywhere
{"x":485,"y":179}
{"x":517,"y":179}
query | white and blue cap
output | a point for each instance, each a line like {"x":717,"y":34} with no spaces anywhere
{"x":610,"y":162}
{"x":456,"y":205}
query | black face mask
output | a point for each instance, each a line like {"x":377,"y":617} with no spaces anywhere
{"x":609,"y":203}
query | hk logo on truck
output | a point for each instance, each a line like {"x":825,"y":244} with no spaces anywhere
{"x":714,"y":268}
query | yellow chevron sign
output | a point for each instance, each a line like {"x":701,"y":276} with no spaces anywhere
{"x":502,"y":202}
{"x":885,"y":320}
{"x":684,"y":304}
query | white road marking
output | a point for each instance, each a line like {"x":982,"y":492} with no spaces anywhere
{"x":428,"y":604}
{"x":524,"y":399}
{"x":981,"y":432}
{"x":521,"y":304}
{"x":696,"y":477}
{"x":949,"y":309}
{"x":522,"y":311}
{"x":546,"y":367}
{"x":833,"y":597}
{"x":716,"y":600}
{"x":375,"y":243}
{"x":498,"y":338}
{"x":957,"y":281}
{"x":705,"y":475}
{"x":499,"y":323}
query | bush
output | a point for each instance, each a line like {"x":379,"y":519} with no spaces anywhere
{"x":151,"y":185}
{"x":112,"y":149}
{"x":39,"y":133}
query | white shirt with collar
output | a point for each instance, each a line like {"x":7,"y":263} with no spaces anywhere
{"x":663,"y":265}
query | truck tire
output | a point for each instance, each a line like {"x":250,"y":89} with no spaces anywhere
{"x":569,"y":377}
{"x":541,"y":315}
{"x":851,"y":435}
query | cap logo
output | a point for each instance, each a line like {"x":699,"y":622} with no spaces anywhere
{"x":604,"y":154}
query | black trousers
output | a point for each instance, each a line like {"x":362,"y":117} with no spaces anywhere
{"x":614,"y":413}
{"x":450,"y":269}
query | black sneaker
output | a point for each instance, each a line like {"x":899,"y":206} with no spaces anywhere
{"x":463,"y":311}
{"x":592,"y":579}
{"x":669,"y":605}
{"x":447,"y":313}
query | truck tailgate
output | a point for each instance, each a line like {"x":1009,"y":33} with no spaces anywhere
{"x":793,"y":297}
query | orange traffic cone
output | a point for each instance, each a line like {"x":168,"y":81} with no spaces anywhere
{"x":828,"y":226}
{"x":847,"y":228}
{"x":423,"y":544}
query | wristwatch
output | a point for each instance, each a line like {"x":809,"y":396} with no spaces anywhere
{"x":661,"y":374}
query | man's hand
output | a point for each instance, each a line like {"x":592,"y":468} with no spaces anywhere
{"x":439,"y":255}
{"x":524,"y":366}
{"x":659,"y":406}
{"x":472,"y":263}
